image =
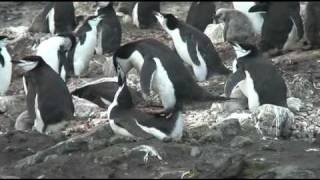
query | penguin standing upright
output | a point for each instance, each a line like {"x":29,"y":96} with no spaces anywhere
{"x":5,"y":66}
{"x":237,"y":26}
{"x":49,"y":102}
{"x":201,"y":14}
{"x":256,"y":18}
{"x":161,"y":70}
{"x":142,"y":13}
{"x":109,"y":29}
{"x":54,"y":52}
{"x":256,"y":78}
{"x":282,"y":26}
{"x":83,"y":51}
{"x":194,"y":47}
{"x":61,"y":17}
{"x":312,"y":25}
{"x":125,"y":120}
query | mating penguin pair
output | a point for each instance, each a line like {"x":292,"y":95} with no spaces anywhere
{"x":109,"y":29}
{"x":5,"y":66}
{"x":125,"y":120}
{"x":282,"y":26}
{"x":256,"y":78}
{"x":193,"y":46}
{"x":102,"y":91}
{"x":201,"y":14}
{"x":49,"y":102}
{"x":161,"y":70}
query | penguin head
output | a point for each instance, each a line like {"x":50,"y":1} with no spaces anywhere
{"x":70,"y":40}
{"x":121,"y":58}
{"x":168,"y":21}
{"x":242,"y":49}
{"x":3,"y":40}
{"x":123,"y":97}
{"x":93,"y":21}
{"x":28,"y":63}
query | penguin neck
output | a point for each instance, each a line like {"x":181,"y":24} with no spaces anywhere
{"x":121,"y":103}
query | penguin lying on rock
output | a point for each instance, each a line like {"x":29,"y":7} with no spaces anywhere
{"x":257,"y":78}
{"x":161,"y":70}
{"x":49,"y":102}
{"x":193,"y":46}
{"x":102,"y":91}
{"x":125,"y":120}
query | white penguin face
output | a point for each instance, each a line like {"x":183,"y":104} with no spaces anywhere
{"x":95,"y":21}
{"x":26,"y":65}
{"x":240,"y":52}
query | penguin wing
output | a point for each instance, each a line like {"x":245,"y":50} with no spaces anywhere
{"x":148,"y":67}
{"x":260,"y":7}
{"x":191,"y":45}
{"x":233,"y":80}
{"x":297,"y":21}
{"x":1,"y":59}
{"x":62,"y":59}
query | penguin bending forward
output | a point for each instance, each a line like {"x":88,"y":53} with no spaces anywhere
{"x":256,"y":78}
{"x":49,"y":102}
{"x":102,"y":91}
{"x":54,"y":51}
{"x":193,"y":46}
{"x":125,"y":120}
{"x":5,"y":66}
{"x":161,"y":70}
{"x":201,"y":14}
{"x":84,"y":49}
{"x":109,"y":29}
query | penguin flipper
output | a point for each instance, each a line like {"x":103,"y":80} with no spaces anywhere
{"x":192,"y":49}
{"x":62,"y":59}
{"x":297,"y":21}
{"x":233,"y":80}
{"x":148,"y":67}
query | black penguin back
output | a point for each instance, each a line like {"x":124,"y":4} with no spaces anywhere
{"x":201,"y":14}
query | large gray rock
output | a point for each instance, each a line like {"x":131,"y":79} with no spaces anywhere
{"x":12,"y":105}
{"x":294,"y":104}
{"x":229,"y":127}
{"x":287,"y":172}
{"x":301,"y":87}
{"x":215,"y":32}
{"x":240,"y":141}
{"x":274,"y":121}
{"x":86,"y":109}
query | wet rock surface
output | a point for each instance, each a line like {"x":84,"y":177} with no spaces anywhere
{"x":220,"y":140}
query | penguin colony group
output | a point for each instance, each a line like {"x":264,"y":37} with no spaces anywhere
{"x":173,"y":75}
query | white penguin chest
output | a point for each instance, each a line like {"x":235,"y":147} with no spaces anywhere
{"x":200,"y":71}
{"x":163,"y":86}
{"x":135,"y":17}
{"x":84,"y":52}
{"x":51,"y":23}
{"x":5,"y":71}
{"x":247,"y":88}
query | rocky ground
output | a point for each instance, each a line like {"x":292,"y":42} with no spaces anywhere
{"x":217,"y":142}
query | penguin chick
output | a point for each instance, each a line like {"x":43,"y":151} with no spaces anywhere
{"x":125,"y":120}
{"x":193,"y":46}
{"x":49,"y":102}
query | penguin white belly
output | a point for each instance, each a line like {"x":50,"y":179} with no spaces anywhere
{"x":24,"y":85}
{"x":51,"y":23}
{"x":178,"y":128}
{"x":99,"y":49}
{"x":137,"y":60}
{"x":153,"y":131}
{"x":63,"y":73}
{"x":163,"y":86}
{"x":292,"y":40}
{"x":135,"y":17}
{"x":119,"y":130}
{"x":38,"y":122}
{"x":234,"y":65}
{"x":182,"y":49}
{"x":83,"y":53}
{"x":247,"y":87}
{"x":255,"y":18}
{"x":48,"y":50}
{"x":5,"y":72}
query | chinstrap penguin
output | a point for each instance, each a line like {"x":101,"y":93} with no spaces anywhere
{"x":5,"y":66}
{"x":201,"y":14}
{"x":257,"y":78}
{"x":162,"y":71}
{"x":49,"y":102}
{"x":193,"y":46}
{"x":125,"y":120}
{"x":109,"y":29}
